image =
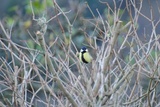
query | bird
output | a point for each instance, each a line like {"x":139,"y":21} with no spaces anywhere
{"x":84,"y":55}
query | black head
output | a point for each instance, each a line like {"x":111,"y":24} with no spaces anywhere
{"x":84,"y":49}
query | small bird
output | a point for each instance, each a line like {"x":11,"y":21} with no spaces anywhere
{"x":84,"y":55}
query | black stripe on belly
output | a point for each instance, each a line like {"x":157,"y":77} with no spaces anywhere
{"x":83,"y":59}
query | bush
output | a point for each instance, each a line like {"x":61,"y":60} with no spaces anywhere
{"x":44,"y":70}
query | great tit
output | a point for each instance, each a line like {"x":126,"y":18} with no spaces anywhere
{"x":84,"y":55}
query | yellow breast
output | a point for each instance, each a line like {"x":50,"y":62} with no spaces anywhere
{"x":85,"y":57}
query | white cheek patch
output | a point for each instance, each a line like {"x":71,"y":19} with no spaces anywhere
{"x":81,"y":50}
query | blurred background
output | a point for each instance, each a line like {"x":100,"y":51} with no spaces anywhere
{"x":18,"y":14}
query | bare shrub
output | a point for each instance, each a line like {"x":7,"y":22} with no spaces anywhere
{"x":63,"y":81}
